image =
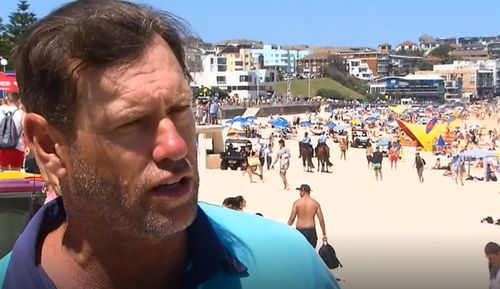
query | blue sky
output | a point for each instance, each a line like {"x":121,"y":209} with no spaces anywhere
{"x":321,"y":22}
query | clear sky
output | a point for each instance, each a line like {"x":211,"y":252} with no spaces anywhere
{"x":321,"y":22}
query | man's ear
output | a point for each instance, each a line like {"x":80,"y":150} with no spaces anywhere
{"x":49,"y":146}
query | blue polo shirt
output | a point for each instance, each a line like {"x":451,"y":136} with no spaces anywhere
{"x":228,"y":249}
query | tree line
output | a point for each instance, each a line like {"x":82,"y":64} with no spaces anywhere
{"x":10,"y":32}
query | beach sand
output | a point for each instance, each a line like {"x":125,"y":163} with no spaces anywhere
{"x":397,"y":233}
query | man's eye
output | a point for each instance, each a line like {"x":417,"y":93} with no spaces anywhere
{"x":130,"y":123}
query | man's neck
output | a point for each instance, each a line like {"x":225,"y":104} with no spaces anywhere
{"x":78,"y":257}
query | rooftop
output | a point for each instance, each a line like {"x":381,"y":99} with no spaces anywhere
{"x":407,"y":43}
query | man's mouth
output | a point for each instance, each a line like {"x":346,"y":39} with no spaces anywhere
{"x":173,"y":188}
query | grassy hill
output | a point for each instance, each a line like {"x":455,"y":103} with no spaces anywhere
{"x":300,"y":88}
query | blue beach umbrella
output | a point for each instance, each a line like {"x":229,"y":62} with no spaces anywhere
{"x":341,"y":127}
{"x":237,"y":119}
{"x":330,"y":124}
{"x":281,"y":123}
{"x":383,"y":143}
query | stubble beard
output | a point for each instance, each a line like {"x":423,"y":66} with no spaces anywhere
{"x":95,"y":200}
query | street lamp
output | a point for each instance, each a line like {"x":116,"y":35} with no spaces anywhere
{"x":3,"y":62}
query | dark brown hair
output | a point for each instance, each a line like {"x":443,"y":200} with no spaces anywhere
{"x":85,"y":34}
{"x":492,"y":248}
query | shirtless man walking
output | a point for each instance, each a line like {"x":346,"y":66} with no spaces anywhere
{"x":305,"y":209}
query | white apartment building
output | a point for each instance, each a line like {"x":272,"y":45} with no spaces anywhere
{"x":359,"y":69}
{"x":246,"y":84}
{"x":480,"y":78}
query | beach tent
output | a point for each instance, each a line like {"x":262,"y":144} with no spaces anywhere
{"x":305,"y":123}
{"x":441,"y":142}
{"x":478,"y":153}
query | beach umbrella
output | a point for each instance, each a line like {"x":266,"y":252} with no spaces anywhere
{"x":383,"y":143}
{"x":251,"y":118}
{"x":371,"y":119}
{"x":280,"y":123}
{"x":305,"y":123}
{"x":356,"y":121}
{"x":341,"y":127}
{"x":330,"y":124}
{"x":239,"y":119}
{"x":236,"y":126}
{"x":8,"y":83}
{"x":478,"y":153}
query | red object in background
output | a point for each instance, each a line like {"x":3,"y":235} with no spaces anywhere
{"x":8,"y":83}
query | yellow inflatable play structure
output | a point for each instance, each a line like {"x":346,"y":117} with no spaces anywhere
{"x":425,"y":140}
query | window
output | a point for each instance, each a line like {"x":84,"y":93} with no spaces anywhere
{"x":238,"y":63}
{"x":221,"y":68}
{"x":211,"y":61}
{"x":245,"y":78}
{"x":221,"y":79}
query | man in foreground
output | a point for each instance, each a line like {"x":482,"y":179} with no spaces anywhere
{"x":109,"y":119}
{"x":305,"y":210}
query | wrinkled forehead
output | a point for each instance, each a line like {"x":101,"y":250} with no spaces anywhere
{"x":155,"y":70}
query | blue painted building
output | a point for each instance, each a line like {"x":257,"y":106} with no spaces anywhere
{"x":274,"y":57}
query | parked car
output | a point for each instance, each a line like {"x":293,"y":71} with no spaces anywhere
{"x":234,"y":155}
{"x":359,"y":138}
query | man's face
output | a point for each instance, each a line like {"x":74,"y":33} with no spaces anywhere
{"x":133,"y":163}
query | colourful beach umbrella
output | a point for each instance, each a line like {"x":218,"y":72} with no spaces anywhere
{"x":430,"y":125}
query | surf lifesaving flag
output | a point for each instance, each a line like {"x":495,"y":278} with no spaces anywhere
{"x":430,"y":125}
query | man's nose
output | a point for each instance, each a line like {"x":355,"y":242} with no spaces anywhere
{"x":170,"y":144}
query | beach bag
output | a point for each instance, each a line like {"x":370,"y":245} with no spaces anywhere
{"x":9,"y":134}
{"x":327,"y":253}
{"x":253,"y":161}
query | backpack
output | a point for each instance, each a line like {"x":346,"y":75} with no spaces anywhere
{"x":327,"y":253}
{"x":9,"y":136}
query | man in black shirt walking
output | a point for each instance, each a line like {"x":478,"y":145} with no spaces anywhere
{"x":377,"y":163}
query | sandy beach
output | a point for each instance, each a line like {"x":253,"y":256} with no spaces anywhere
{"x":397,"y":233}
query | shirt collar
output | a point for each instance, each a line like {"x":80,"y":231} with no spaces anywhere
{"x":208,"y":255}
